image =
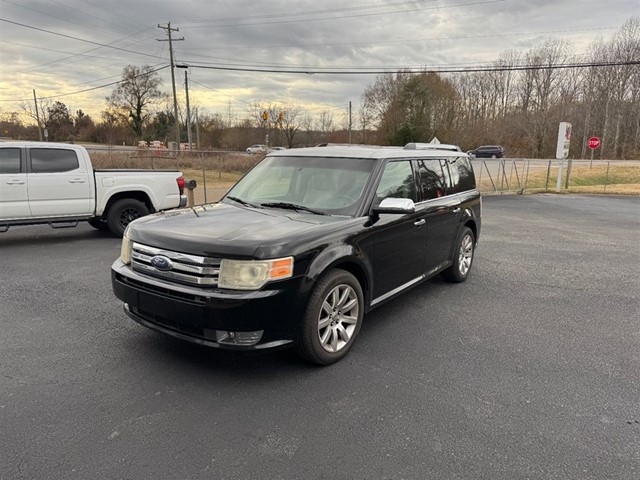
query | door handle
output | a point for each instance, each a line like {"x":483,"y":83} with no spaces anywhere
{"x":420,"y":222}
{"x":457,"y":210}
{"x":77,"y":180}
{"x":15,"y":182}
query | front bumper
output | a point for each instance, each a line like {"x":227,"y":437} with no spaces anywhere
{"x":200,"y":315}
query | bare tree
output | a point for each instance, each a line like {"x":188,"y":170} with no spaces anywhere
{"x":135,"y":94}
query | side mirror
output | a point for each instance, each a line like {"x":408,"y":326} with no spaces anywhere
{"x":395,"y":205}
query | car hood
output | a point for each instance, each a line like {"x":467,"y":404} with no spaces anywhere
{"x":222,"y":229}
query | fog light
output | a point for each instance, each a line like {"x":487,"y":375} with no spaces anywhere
{"x":238,"y":338}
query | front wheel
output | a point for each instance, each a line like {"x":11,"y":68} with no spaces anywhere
{"x":462,"y":257}
{"x":123,"y":212}
{"x":333,"y":318}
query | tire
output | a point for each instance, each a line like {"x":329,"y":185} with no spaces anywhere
{"x":462,"y":257}
{"x":99,"y":224}
{"x":328,"y":331}
{"x":123,"y":212}
{"x":494,"y":156}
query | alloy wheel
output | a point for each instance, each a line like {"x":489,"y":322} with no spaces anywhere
{"x":128,"y":215}
{"x":465,"y":255}
{"x":338,"y":318}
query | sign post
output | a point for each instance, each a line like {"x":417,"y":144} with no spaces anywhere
{"x":593,"y":143}
{"x":562,"y":149}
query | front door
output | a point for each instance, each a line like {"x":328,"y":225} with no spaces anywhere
{"x":399,"y":240}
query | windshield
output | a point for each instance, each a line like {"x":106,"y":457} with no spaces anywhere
{"x":328,"y":185}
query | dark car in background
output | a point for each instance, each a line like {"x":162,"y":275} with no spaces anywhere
{"x":487,"y":151}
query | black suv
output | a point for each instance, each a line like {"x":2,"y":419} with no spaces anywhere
{"x":487,"y":151}
{"x":301,"y":247}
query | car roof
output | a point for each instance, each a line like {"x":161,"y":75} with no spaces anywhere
{"x":368,"y":151}
{"x":31,"y":143}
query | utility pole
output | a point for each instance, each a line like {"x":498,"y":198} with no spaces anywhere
{"x":349,"y":122}
{"x":186,"y":89}
{"x":197,"y":131}
{"x":168,"y":29}
{"x":37,"y":114}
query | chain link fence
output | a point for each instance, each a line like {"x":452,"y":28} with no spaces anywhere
{"x":215,"y":172}
{"x":512,"y":175}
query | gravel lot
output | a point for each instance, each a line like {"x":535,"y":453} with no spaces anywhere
{"x":530,"y":369}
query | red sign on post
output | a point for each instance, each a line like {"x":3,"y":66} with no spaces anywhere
{"x":593,"y":143}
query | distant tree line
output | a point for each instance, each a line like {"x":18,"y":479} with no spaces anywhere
{"x":519,"y":109}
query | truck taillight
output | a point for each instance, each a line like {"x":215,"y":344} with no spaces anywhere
{"x":180,"y":181}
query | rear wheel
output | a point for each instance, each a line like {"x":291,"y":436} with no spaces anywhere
{"x":123,"y":212}
{"x":462,"y":257}
{"x":333,"y":318}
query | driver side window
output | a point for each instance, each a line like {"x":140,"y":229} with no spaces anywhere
{"x":397,"y":181}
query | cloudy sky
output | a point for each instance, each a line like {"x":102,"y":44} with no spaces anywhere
{"x":61,"y":48}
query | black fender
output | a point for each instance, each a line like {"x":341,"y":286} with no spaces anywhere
{"x":344,"y":256}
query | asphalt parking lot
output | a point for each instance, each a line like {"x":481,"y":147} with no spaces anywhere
{"x":530,"y":369}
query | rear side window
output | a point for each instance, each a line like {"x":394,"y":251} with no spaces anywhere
{"x":431,"y":179}
{"x":53,"y":161}
{"x":9,"y":160}
{"x":462,"y":174}
{"x":397,"y":182}
{"x":459,"y":173}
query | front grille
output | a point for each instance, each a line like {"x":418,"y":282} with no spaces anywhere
{"x":184,"y":268}
{"x":165,"y":292}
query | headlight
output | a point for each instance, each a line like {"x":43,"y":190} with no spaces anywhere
{"x":253,"y":274}
{"x":125,"y":249}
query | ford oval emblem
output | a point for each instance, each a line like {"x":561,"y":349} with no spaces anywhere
{"x":162,"y":263}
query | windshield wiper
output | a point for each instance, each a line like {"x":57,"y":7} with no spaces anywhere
{"x":292,"y":206}
{"x":243,"y":202}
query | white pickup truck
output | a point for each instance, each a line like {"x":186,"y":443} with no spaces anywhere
{"x":55,"y":184}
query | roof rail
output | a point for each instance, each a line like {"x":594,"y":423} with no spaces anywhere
{"x":432,"y":146}
{"x":347,"y":145}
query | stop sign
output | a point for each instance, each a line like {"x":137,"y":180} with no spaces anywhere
{"x":594,"y":142}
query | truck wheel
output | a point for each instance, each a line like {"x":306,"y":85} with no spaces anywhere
{"x":333,"y":318}
{"x":99,"y":224}
{"x":123,"y":212}
{"x":462,"y":257}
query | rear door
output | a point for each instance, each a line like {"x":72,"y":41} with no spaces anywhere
{"x":14,"y":200}
{"x":442,"y":211}
{"x":59,"y":183}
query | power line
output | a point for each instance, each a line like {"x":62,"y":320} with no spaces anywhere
{"x":70,"y":56}
{"x":342,"y":17}
{"x":86,"y":89}
{"x":472,"y":69}
{"x":402,"y":41}
{"x":77,"y":38}
{"x":44,"y":49}
{"x":304,"y":13}
{"x":49,"y":14}
{"x":108,"y":10}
